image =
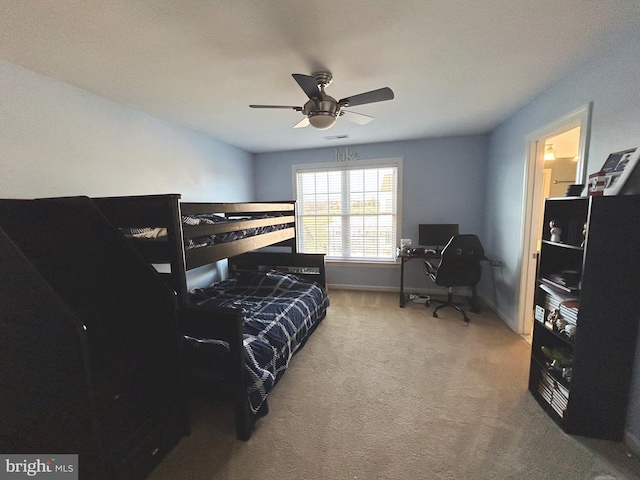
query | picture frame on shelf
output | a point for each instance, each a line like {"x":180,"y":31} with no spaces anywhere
{"x":614,"y":173}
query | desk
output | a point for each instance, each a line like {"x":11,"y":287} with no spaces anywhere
{"x":404,"y":258}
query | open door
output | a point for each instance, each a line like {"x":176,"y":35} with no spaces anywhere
{"x":567,"y":139}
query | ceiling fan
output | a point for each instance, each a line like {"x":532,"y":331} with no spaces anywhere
{"x":322,"y":110}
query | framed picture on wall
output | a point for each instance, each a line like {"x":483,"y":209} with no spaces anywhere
{"x":614,"y":173}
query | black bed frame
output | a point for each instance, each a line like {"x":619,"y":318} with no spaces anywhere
{"x":90,"y":360}
{"x":165,"y":211}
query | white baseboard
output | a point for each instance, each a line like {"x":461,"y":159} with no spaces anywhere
{"x":434,"y":291}
{"x":497,"y":311}
{"x":365,"y":288}
{"x":372,"y":288}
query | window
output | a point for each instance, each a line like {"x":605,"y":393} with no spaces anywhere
{"x":349,"y":211}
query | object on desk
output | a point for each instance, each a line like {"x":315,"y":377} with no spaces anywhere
{"x":421,"y":251}
{"x":436,"y":235}
{"x":459,"y":267}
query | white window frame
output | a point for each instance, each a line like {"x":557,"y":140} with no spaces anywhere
{"x":355,"y":165}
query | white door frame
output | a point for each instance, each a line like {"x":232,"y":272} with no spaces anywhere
{"x":532,"y":201}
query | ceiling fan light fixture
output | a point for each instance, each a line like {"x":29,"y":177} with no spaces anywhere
{"x":321,"y":110}
{"x":322,"y":120}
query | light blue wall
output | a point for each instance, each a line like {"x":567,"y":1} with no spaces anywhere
{"x":443,"y":182}
{"x":611,"y":80}
{"x":59,"y":140}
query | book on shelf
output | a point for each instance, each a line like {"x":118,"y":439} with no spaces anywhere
{"x":554,"y":398}
{"x":569,"y":314}
{"x":566,"y":287}
{"x":553,"y":384}
{"x":563,"y":295}
{"x":545,"y":392}
{"x":566,"y":305}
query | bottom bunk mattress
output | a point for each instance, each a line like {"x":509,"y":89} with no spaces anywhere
{"x":280,"y":311}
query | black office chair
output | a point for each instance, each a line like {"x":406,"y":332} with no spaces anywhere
{"x":459,"y":267}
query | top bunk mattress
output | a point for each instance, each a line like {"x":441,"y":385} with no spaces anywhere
{"x":201,"y":233}
{"x":236,"y":232}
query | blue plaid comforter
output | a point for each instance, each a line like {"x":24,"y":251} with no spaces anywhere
{"x":279,"y":312}
{"x":212,"y":219}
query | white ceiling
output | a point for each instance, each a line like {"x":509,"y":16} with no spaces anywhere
{"x":456,"y":67}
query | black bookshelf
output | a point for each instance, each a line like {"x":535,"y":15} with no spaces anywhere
{"x":587,"y":313}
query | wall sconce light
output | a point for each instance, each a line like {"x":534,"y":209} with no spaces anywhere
{"x":549,"y":154}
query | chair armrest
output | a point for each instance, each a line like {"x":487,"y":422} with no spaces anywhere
{"x":432,"y":270}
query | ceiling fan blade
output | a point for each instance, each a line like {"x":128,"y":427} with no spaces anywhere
{"x":299,"y":109}
{"x":308,"y":84}
{"x":373,"y":96}
{"x":302,"y":123}
{"x":355,"y":117}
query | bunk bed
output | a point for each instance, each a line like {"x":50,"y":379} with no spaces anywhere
{"x":91,"y":361}
{"x":247,"y":327}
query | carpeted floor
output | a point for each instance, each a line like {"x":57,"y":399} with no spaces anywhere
{"x":381,"y":392}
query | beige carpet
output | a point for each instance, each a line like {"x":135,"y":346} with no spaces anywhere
{"x":381,"y":392}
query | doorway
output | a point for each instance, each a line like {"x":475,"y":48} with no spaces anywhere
{"x":565,"y":144}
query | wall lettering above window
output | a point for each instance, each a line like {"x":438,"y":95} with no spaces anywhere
{"x":346,"y":156}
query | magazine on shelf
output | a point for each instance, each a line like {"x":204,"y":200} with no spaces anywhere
{"x":563,"y":295}
{"x":566,"y":279}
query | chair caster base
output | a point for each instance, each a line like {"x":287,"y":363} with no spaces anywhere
{"x":435,"y":315}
